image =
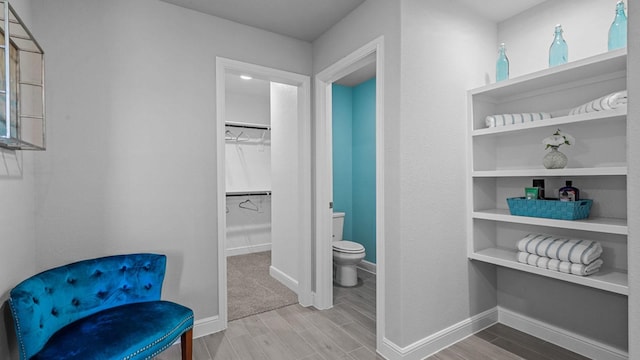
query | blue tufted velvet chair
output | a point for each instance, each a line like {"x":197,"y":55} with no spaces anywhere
{"x":99,"y":309}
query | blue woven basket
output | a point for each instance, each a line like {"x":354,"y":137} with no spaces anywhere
{"x":552,"y":209}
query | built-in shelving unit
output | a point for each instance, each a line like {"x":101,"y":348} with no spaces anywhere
{"x":504,"y":160}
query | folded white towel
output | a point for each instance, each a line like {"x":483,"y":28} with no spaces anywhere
{"x":563,"y":249}
{"x":607,"y":102}
{"x":560,"y":266}
{"x":510,"y":119}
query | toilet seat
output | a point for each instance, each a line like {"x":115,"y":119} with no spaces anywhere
{"x":348,"y":247}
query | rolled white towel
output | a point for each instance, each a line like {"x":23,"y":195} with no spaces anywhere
{"x":510,"y":119}
{"x":607,"y":102}
{"x":563,"y":249}
{"x":560,"y":266}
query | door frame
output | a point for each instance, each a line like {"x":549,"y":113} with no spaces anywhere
{"x":323,"y":299}
{"x":303,"y":83}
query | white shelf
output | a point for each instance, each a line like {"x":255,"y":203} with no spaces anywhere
{"x":606,"y":279}
{"x":600,"y":65}
{"x":598,"y":224}
{"x":247,"y":125}
{"x":248,"y":192}
{"x":540,"y":172}
{"x":619,"y":114}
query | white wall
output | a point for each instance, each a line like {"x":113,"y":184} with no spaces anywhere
{"x":286,"y":217}
{"x":248,"y":225}
{"x":633,"y":143}
{"x":131,"y":108}
{"x":571,"y":307}
{"x":17,"y":219}
{"x":529,"y":34}
{"x":248,"y":103}
{"x":446,"y":50}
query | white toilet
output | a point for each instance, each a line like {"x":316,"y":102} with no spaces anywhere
{"x":346,"y":254}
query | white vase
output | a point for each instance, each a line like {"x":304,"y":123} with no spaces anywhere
{"x":554,"y":159}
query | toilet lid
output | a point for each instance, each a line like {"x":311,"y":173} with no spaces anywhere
{"x":348,"y":247}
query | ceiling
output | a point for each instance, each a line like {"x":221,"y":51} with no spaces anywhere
{"x":301,"y":19}
{"x":499,"y":10}
{"x":308,"y":19}
{"x":362,"y":74}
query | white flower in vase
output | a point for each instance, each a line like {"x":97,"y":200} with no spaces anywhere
{"x":554,"y":158}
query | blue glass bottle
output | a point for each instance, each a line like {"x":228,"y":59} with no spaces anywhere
{"x":618,"y":29}
{"x":502,"y":64}
{"x":558,"y":52}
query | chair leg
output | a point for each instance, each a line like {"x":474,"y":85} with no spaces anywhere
{"x":186,"y":344}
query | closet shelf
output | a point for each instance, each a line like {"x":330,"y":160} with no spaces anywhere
{"x":247,"y":125}
{"x":619,"y":114}
{"x":541,"y":172}
{"x":606,"y":279}
{"x":248,"y":192}
{"x":597,"y":224}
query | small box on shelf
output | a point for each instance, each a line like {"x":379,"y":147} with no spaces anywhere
{"x":551,"y":209}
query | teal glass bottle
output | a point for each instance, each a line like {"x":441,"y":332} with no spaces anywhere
{"x":502,"y":64}
{"x":618,"y":29}
{"x":558,"y":52}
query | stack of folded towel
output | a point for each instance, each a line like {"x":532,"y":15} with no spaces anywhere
{"x":607,"y":102}
{"x":512,"y":119}
{"x":571,"y":256}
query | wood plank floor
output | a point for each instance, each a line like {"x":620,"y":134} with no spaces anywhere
{"x":500,"y":342}
{"x":347,"y":332}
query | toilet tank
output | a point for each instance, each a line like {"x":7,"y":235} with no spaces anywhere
{"x":338,"y":223}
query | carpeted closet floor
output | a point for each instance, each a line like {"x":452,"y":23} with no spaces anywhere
{"x":250,"y":288}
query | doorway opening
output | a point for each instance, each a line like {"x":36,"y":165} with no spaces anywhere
{"x":263,"y":173}
{"x":362,"y":60}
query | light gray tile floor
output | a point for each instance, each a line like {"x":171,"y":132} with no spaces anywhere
{"x":347,"y":331}
{"x":295,"y":333}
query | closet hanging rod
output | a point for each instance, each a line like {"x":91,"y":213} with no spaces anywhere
{"x":248,"y":126}
{"x":248,"y":193}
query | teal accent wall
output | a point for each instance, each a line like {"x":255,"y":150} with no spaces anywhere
{"x":354,"y":162}
{"x":342,"y":113}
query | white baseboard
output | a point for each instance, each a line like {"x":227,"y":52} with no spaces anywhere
{"x":204,"y":327}
{"x":444,"y":338}
{"x":207,"y":326}
{"x":285,"y":279}
{"x":367,"y":266}
{"x":430,"y":345}
{"x":561,"y":337}
{"x":243,"y":250}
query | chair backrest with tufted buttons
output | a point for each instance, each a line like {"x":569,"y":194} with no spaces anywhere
{"x":52,"y":299}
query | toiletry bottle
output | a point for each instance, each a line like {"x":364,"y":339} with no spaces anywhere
{"x":539,"y":183}
{"x":531,"y":193}
{"x":502,"y":64}
{"x":558,"y":52}
{"x":618,"y":29}
{"x":569,"y":193}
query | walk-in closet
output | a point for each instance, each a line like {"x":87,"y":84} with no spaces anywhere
{"x":257,"y":113}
